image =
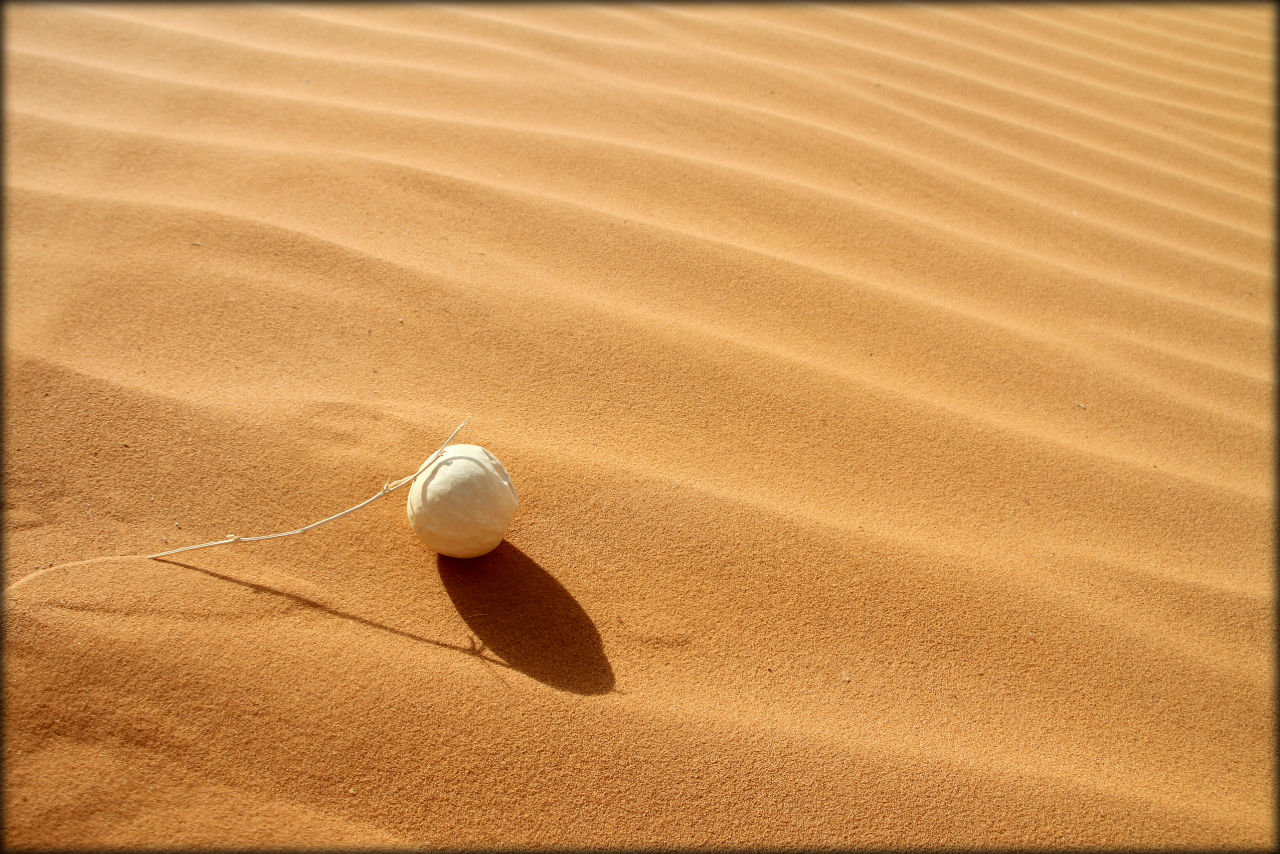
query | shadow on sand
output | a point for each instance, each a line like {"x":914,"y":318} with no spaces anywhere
{"x":525,"y":617}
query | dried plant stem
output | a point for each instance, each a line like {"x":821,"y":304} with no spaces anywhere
{"x":387,"y":489}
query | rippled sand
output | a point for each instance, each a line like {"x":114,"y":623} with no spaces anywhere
{"x":889,"y":391}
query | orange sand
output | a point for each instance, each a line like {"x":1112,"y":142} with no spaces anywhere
{"x":889,"y":392}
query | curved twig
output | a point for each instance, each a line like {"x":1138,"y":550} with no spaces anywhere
{"x":387,"y":489}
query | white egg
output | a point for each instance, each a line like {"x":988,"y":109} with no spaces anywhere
{"x":462,"y":503}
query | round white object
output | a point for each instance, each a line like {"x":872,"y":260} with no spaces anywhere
{"x":462,"y":503}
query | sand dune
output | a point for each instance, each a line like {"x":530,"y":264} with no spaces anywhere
{"x":889,"y":391}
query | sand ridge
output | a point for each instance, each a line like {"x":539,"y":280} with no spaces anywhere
{"x":889,"y":391}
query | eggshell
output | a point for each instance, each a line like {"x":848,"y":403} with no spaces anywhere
{"x":462,"y":504}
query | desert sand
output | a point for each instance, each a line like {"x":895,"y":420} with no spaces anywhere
{"x":888,"y":389}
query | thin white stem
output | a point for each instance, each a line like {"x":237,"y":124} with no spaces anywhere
{"x":387,"y":489}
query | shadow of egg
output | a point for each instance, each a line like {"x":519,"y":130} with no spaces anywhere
{"x":528,"y":619}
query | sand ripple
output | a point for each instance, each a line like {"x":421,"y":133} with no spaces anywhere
{"x":890,"y":393}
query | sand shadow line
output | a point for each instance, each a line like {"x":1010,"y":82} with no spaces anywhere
{"x":474,"y":651}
